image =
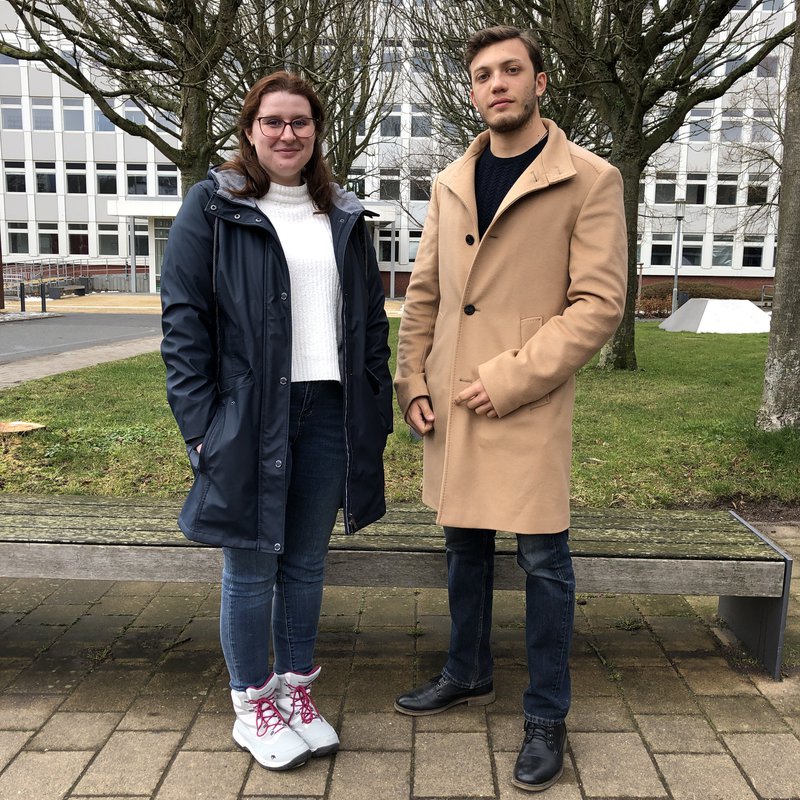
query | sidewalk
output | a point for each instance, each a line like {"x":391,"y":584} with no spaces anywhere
{"x":119,"y":690}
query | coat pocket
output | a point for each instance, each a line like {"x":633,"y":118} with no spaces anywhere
{"x":528,"y":328}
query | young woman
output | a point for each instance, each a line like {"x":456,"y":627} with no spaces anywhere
{"x":275,"y":342}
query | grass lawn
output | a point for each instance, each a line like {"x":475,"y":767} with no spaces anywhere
{"x":679,"y":432}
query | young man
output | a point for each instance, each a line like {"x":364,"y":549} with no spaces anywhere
{"x":519,"y":280}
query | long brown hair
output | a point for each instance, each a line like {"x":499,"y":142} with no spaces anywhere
{"x":316,"y":172}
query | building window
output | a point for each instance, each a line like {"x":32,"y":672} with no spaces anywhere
{"x":46,"y":177}
{"x":134,"y":114}
{"x":168,"y":180}
{"x":696,"y":188}
{"x":11,"y":113}
{"x":106,"y":179}
{"x":48,"y":238}
{"x":355,"y":181}
{"x":727,"y":186}
{"x":390,"y":184}
{"x":420,"y":121}
{"x":733,"y":64}
{"x":700,"y":125}
{"x":421,"y":58}
{"x":73,"y":113}
{"x":390,"y":124}
{"x":78,"y":235}
{"x":388,"y":246}
{"x":661,"y":250}
{"x":102,"y":124}
{"x":7,"y":60}
{"x":763,"y":126}
{"x":141,"y":240}
{"x":15,"y":176}
{"x":753,"y":252}
{"x":42,"y":113}
{"x":665,"y":187}
{"x":692,"y":250}
{"x":17,"y":237}
{"x":757,"y":190}
{"x":731,"y":127}
{"x":722,"y":251}
{"x":420,"y":184}
{"x":391,"y":54}
{"x":107,"y":239}
{"x":137,"y":178}
{"x":768,"y":68}
{"x":76,"y":177}
{"x":413,"y":245}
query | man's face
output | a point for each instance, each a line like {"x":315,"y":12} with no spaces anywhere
{"x":505,"y":87}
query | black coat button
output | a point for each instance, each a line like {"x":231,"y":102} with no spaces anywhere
{"x":470,"y":239}
{"x":469,"y":309}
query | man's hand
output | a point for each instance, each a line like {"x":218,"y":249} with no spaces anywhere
{"x":477,"y":399}
{"x":420,"y":415}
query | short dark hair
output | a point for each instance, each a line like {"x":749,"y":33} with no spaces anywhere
{"x":502,"y":33}
{"x":316,"y":173}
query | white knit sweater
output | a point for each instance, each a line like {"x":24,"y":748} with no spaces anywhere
{"x":315,"y":290}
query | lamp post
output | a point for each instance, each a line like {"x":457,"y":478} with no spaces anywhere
{"x":680,"y":211}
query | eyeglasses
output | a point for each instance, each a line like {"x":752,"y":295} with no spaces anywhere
{"x":273,"y":127}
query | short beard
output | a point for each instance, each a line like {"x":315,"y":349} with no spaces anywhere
{"x":509,"y":125}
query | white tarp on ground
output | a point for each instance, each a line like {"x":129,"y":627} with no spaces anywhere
{"x":718,"y":316}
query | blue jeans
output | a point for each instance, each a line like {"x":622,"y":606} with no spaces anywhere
{"x":549,"y":613}
{"x":281,"y":595}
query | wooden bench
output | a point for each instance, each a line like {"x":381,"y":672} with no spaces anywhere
{"x":615,"y":551}
{"x":56,"y":292}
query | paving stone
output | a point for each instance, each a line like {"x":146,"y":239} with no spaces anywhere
{"x":376,"y":731}
{"x":211,"y":732}
{"x":51,"y":675}
{"x":76,"y":592}
{"x":75,"y":730}
{"x":591,"y":677}
{"x":605,"y":609}
{"x":614,"y":765}
{"x":57,"y":614}
{"x":656,"y":690}
{"x":566,"y":788}
{"x":772,"y":761}
{"x":205,"y":776}
{"x":133,"y":588}
{"x":377,"y":690}
{"x":665,"y":733}
{"x":42,"y":776}
{"x":663,"y":605}
{"x":711,"y":675}
{"x":367,"y":776}
{"x":110,"y":688}
{"x":26,"y":712}
{"x":190,"y":589}
{"x":683,"y":634}
{"x":340,"y":623}
{"x":133,"y":759}
{"x":435,"y":633}
{"x":146,"y":643}
{"x":783,"y":695}
{"x":622,"y":647}
{"x":599,"y":714}
{"x":794,"y":724}
{"x":30,"y":640}
{"x":506,"y":731}
{"x":433,"y":601}
{"x":168,"y":610}
{"x":743,"y":713}
{"x":452,"y":764}
{"x":389,"y":607}
{"x":460,"y":719}
{"x":310,"y":779}
{"x":128,"y":605}
{"x":160,"y":712}
{"x":508,"y":607}
{"x":716,"y":774}
{"x":9,"y":618}
{"x":11,"y":742}
{"x":345,"y":600}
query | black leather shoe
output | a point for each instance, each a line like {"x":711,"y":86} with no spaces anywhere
{"x":439,"y":694}
{"x":541,"y":759}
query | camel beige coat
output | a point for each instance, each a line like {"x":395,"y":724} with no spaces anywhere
{"x":523,"y":309}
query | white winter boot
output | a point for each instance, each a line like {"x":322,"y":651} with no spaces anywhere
{"x":261,"y":729}
{"x":302,"y":715}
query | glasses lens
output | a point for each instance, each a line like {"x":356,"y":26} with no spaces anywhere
{"x":303,"y":127}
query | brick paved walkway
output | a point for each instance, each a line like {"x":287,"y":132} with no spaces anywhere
{"x":118,"y":690}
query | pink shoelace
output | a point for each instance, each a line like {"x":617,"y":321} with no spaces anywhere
{"x":302,"y":703}
{"x":268,"y":718}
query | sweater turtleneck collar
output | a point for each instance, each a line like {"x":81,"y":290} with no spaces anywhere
{"x":287,"y":195}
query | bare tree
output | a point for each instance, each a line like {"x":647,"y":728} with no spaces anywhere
{"x":186,"y":64}
{"x":635,"y":68}
{"x":780,"y":403}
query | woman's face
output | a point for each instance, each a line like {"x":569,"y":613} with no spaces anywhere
{"x":284,"y":155}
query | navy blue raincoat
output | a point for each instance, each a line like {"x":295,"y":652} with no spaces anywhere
{"x":228,"y":351}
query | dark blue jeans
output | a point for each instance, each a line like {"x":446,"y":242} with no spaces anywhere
{"x":281,"y":595}
{"x":549,"y":613}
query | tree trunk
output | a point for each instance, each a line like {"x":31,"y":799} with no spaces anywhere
{"x":620,"y":351}
{"x":780,"y":403}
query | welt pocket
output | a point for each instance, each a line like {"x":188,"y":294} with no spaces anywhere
{"x":528,"y":327}
{"x":231,"y":382}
